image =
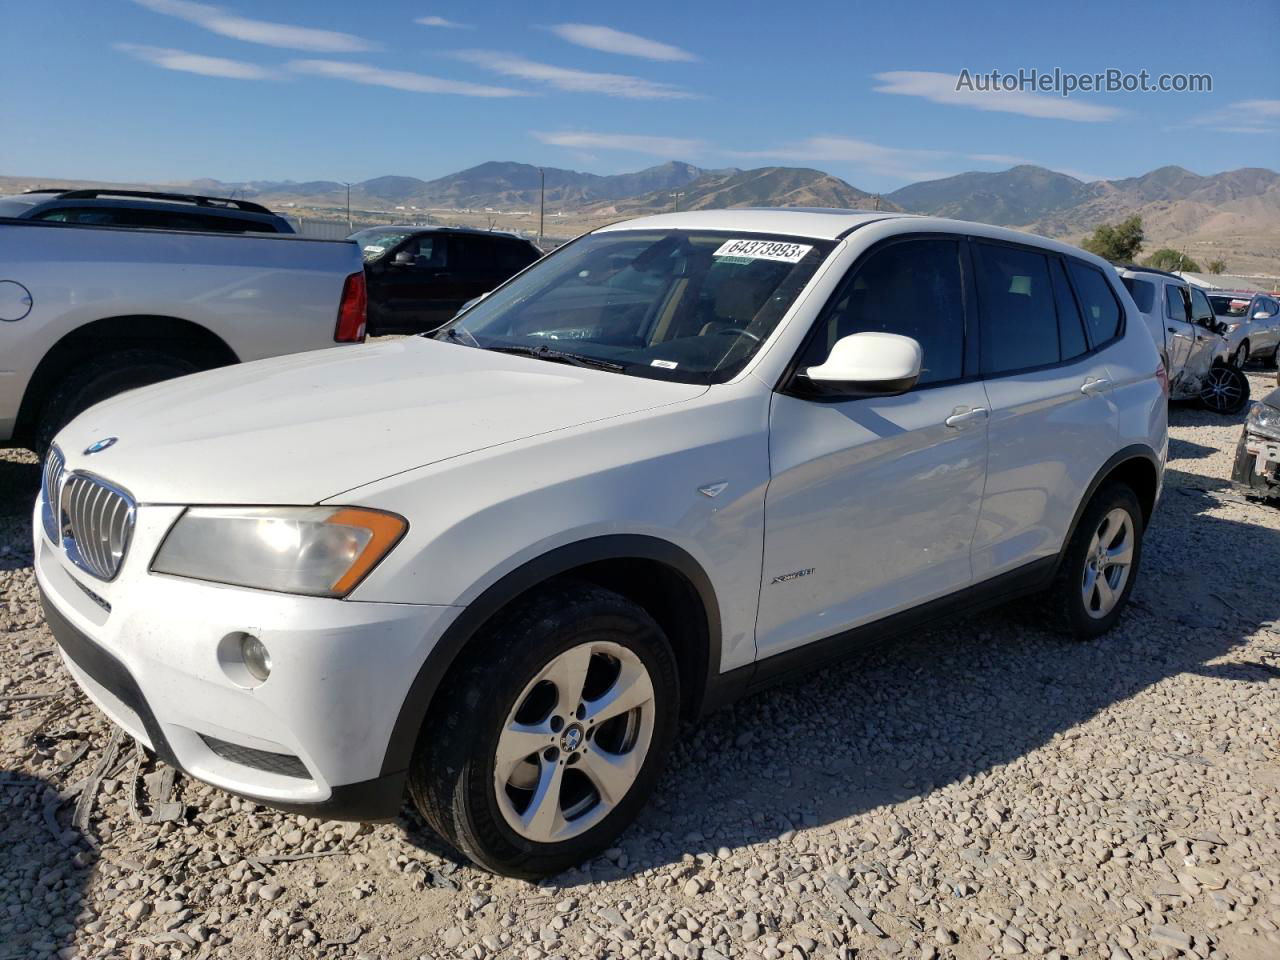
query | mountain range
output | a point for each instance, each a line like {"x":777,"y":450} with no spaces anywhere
{"x":1235,"y":214}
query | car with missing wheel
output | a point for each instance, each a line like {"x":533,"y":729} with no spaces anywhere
{"x":1251,"y":324}
{"x":677,"y":460}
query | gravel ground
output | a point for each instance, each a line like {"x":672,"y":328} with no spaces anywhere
{"x":981,"y":790}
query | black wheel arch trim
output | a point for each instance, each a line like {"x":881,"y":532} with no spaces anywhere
{"x":1135,"y":451}
{"x":555,"y":562}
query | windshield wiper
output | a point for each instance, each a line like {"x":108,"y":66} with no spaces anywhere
{"x":543,"y":352}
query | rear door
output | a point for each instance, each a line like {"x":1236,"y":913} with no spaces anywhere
{"x":1052,"y":423}
{"x":872,"y":502}
{"x":474,"y":265}
{"x":1182,"y":337}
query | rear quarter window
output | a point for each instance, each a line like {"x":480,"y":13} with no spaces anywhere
{"x":1142,"y":291}
{"x":1102,"y":313}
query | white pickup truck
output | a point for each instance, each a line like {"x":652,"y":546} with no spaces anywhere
{"x":88,"y":312}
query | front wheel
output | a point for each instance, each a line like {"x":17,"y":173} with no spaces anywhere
{"x":551,"y":736}
{"x":1100,"y":565}
{"x":1241,"y":356}
{"x":1225,"y":390}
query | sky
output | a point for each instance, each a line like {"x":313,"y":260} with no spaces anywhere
{"x":173,"y":90}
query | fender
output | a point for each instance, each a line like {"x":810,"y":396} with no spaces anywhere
{"x":558,"y":561}
{"x":1135,"y":451}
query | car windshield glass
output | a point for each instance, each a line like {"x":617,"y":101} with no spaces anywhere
{"x":18,"y":205}
{"x":680,"y":305}
{"x":374,"y":243}
{"x":1226,"y":306}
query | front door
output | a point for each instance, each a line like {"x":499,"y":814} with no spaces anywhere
{"x":1181,"y":339}
{"x":872,"y":502}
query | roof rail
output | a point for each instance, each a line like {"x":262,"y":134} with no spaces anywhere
{"x":248,"y":206}
{"x":1141,"y":268}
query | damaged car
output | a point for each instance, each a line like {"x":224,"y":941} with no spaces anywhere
{"x":1257,"y":468}
{"x":1181,"y":320}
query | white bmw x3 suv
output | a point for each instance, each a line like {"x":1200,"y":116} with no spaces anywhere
{"x":677,"y":459}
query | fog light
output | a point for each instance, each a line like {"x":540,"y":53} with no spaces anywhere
{"x":255,"y":656}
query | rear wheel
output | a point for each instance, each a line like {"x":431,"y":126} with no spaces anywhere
{"x":1100,"y":565}
{"x":99,"y":379}
{"x":550,"y":737}
{"x":1225,"y":390}
{"x":1241,"y":356}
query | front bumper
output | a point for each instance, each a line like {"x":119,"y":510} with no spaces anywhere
{"x":1257,"y":465}
{"x":149,"y":650}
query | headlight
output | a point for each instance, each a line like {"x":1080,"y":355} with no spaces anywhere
{"x":317,"y":551}
{"x":1232,"y":327}
{"x":1264,"y":419}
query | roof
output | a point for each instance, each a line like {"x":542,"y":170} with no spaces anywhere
{"x":199,"y":200}
{"x":819,"y":223}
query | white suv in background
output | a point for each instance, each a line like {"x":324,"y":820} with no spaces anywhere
{"x":680,"y":458}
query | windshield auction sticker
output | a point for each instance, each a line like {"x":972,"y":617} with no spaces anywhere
{"x":763,"y":250}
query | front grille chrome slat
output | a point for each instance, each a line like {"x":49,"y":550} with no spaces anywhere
{"x":51,"y":492}
{"x":95,"y":520}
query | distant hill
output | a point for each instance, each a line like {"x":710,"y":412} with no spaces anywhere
{"x":1019,"y":195}
{"x":1234,"y":214}
{"x":764,"y":187}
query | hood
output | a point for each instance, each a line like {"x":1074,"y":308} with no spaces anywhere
{"x":303,"y":428}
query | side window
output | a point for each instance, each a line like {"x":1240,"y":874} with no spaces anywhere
{"x":1071,"y":339}
{"x":1200,"y":308}
{"x":472,"y":255}
{"x":1175,"y":306}
{"x":1102,"y":313}
{"x":1143,"y":293}
{"x":910,"y":287}
{"x":1017,"y":314}
{"x":97,"y":216}
{"x":428,"y":252}
{"x":514,"y":256}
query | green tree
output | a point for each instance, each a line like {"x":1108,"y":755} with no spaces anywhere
{"x":1119,"y":243}
{"x":1217,"y":266}
{"x":1167,"y":258}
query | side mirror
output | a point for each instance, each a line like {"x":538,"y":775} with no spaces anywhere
{"x":868,"y":365}
{"x":1262,"y":315}
{"x":403,"y":259}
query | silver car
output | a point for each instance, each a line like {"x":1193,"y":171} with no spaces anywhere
{"x":1252,"y":324}
{"x":1189,"y":337}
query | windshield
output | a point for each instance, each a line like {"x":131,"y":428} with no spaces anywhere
{"x":672,"y":305}
{"x":1229,"y":306}
{"x":18,"y":205}
{"x":374,"y":243}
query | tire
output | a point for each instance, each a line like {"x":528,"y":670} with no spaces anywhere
{"x":1225,"y":390}
{"x":470,"y":778}
{"x":97,"y":380}
{"x":1241,"y":356}
{"x":1073,"y":604}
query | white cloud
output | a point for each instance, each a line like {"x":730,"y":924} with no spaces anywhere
{"x":442,"y":22}
{"x":1243,"y":116}
{"x":219,"y":21}
{"x":397,"y":79}
{"x":573,"y":81}
{"x":615,"y":41}
{"x":871,"y":158}
{"x":196,"y":63}
{"x":941,"y":88}
{"x":669,"y":147}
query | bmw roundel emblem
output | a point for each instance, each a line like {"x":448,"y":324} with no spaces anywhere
{"x":100,"y":445}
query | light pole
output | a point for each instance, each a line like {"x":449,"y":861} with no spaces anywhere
{"x":676,"y":196}
{"x":348,"y":186}
{"x":542,"y":202}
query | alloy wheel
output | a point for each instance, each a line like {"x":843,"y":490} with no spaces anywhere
{"x":1107,"y":563}
{"x":1241,"y":356}
{"x":575,"y":741}
{"x":1222,"y":391}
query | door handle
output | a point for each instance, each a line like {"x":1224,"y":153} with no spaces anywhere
{"x":1172,"y":329}
{"x":1090,"y":387}
{"x":960,"y":418}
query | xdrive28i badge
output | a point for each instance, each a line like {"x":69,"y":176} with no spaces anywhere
{"x":100,"y":445}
